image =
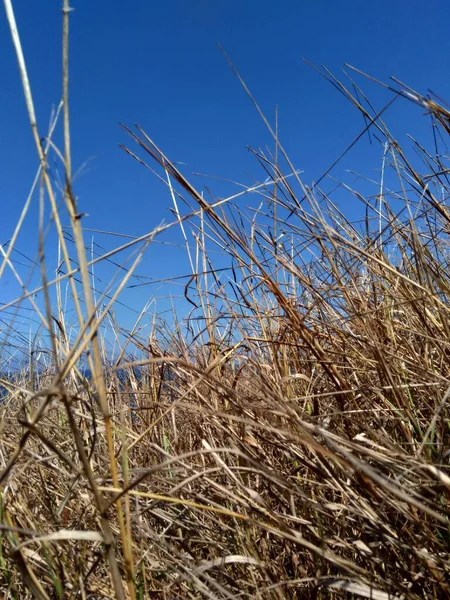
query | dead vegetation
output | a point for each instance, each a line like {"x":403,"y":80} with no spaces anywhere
{"x":289,"y":438}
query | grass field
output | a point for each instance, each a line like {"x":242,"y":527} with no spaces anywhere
{"x":286,"y":438}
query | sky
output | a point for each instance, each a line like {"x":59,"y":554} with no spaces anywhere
{"x":158,"y":64}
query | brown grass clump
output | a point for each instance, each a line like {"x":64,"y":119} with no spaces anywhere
{"x":288,"y":439}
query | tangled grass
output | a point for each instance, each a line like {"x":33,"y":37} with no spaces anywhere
{"x":289,"y":438}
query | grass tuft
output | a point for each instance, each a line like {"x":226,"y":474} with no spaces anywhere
{"x":287,"y":438}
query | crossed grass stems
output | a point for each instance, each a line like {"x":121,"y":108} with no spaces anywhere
{"x":288,"y":438}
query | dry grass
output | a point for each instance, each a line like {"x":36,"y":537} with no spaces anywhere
{"x":288,"y":439}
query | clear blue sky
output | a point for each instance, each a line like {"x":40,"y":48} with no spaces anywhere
{"x":157,"y":64}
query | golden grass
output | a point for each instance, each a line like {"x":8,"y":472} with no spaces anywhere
{"x":288,"y":439}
